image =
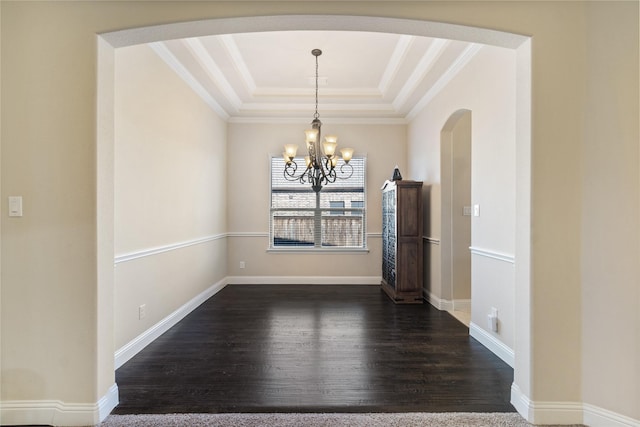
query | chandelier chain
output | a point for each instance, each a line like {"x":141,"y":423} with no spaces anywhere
{"x":316,"y":115}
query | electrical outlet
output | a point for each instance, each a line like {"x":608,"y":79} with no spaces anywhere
{"x":242,"y":264}
{"x":493,"y":320}
{"x":142,"y":311}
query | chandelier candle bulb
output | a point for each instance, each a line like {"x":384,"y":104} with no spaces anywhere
{"x":330,"y":145}
{"x":347,"y":154}
{"x":311,"y":135}
{"x":291,"y":150}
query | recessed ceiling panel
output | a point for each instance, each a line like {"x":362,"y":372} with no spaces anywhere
{"x":349,"y":59}
{"x":272,"y":74}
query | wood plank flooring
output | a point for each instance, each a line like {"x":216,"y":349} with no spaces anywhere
{"x":289,"y":348}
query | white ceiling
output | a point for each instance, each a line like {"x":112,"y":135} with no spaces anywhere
{"x":270,"y":76}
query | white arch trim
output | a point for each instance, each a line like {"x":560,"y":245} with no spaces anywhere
{"x":256,"y":24}
{"x":107,"y":42}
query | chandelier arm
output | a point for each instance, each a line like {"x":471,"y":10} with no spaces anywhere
{"x":328,"y":172}
{"x":305,"y":177}
{"x":290,"y":171}
{"x":331,"y":176}
{"x":350,"y":170}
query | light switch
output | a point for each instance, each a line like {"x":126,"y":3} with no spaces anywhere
{"x":15,"y":205}
{"x":476,"y":210}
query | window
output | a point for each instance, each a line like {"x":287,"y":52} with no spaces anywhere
{"x":336,"y":204}
{"x":333,"y":218}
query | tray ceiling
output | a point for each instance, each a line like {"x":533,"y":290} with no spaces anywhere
{"x":363,"y":76}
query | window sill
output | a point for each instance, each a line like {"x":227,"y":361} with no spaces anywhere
{"x":318,"y":250}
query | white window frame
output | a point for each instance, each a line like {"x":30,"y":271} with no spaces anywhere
{"x":317,"y":213}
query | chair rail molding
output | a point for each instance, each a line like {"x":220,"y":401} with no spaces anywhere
{"x":432,"y":240}
{"x":488,"y":253}
{"x":166,"y":248}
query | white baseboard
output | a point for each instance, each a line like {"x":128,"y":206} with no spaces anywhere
{"x":545,"y":412}
{"x":496,"y":346}
{"x":304,"y":280}
{"x":447,"y":305}
{"x":57,"y":413}
{"x":108,"y":402}
{"x":133,"y":347}
{"x":520,"y":401}
{"x":595,"y":416}
{"x":462,"y":305}
{"x":440,"y":304}
{"x":567,"y":412}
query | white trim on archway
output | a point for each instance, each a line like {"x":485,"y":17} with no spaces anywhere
{"x":108,"y":42}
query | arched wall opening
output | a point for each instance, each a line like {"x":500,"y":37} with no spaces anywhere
{"x":455,"y":175}
{"x":107,"y":43}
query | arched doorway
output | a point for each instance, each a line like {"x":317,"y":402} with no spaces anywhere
{"x":105,"y":199}
{"x":456,"y":211}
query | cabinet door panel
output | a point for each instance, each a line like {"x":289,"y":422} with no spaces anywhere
{"x":408,"y":253}
{"x":409,"y":212}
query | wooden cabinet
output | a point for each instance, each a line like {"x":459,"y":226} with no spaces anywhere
{"x":402,"y":241}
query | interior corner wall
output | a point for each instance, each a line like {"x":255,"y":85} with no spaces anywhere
{"x":249,"y":200}
{"x":170,"y":193}
{"x":611,"y":213}
{"x":486,"y":87}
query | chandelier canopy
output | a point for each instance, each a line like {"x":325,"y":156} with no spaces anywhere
{"x":321,"y":161}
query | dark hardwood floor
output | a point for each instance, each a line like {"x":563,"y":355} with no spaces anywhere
{"x":263,"y":348}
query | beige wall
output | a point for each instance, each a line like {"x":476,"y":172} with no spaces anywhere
{"x":50,"y":286}
{"x":611,"y":210}
{"x":486,"y":87}
{"x":170,"y":188}
{"x":248,"y":209}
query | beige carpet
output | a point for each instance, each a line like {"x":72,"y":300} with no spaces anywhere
{"x":320,"y":420}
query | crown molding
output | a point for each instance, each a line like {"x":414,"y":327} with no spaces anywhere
{"x":436,"y":48}
{"x":165,"y":54}
{"x":213,"y":71}
{"x":453,"y":70}
{"x":238,"y":61}
{"x":330,"y":121}
{"x":396,"y":59}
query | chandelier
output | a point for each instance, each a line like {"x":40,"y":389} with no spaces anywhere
{"x":321,"y":161}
